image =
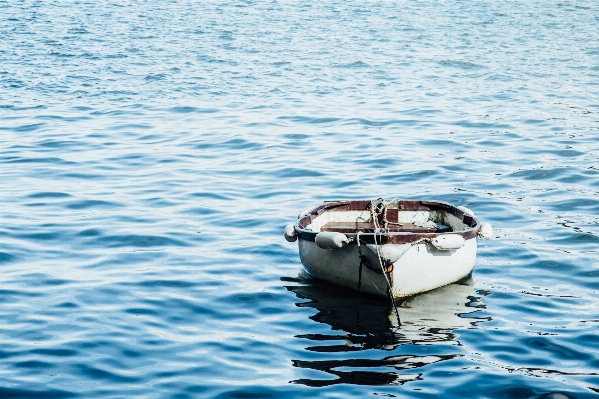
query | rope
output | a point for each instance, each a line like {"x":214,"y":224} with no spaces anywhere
{"x":378,"y":230}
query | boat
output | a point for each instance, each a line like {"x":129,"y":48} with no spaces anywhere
{"x":395,"y":249}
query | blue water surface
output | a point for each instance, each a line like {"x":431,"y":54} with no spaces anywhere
{"x":151,"y":153}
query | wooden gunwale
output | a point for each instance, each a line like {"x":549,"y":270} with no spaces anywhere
{"x":399,"y":237}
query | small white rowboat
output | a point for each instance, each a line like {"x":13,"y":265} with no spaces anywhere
{"x":397,"y":248}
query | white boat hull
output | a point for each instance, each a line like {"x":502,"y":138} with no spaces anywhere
{"x":421,"y":268}
{"x":398,"y":248}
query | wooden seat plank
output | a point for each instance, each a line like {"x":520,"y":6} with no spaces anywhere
{"x":366,"y":227}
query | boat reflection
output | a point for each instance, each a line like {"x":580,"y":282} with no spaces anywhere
{"x":363,"y":322}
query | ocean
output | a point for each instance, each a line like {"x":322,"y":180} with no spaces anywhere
{"x":151,"y":153}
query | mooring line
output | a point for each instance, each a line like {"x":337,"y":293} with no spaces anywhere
{"x":378,"y":230}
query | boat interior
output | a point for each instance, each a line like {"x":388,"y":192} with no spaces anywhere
{"x":393,"y":217}
{"x":349,"y":228}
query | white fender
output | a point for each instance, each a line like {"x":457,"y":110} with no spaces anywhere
{"x":466,"y":210}
{"x":486,"y":231}
{"x":448,"y":241}
{"x":331,"y":240}
{"x":290,"y":233}
{"x":390,"y":252}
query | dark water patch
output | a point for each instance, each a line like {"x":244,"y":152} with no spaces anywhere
{"x":166,"y":283}
{"x":381,"y":123}
{"x":539,"y":174}
{"x":27,"y":107}
{"x":84,"y":176}
{"x":61,"y":54}
{"x":253,"y":298}
{"x":86,"y":204}
{"x":515,"y":392}
{"x":589,"y":279}
{"x":135,"y":240}
{"x":255,"y":392}
{"x":352,"y":65}
{"x":169,"y":161}
{"x":192,"y":110}
{"x":160,"y":202}
{"x":128,"y":157}
{"x":574,"y":204}
{"x":128,"y":126}
{"x":9,"y":393}
{"x":556,"y":350}
{"x":298,"y":137}
{"x":6,"y":257}
{"x":243,"y":222}
{"x":339,"y":184}
{"x":68,"y":305}
{"x":460,"y":64}
{"x":48,"y":195}
{"x":492,"y":143}
{"x":369,"y":378}
{"x":55,"y":352}
{"x":309,"y":120}
{"x":154,"y":138}
{"x":288,"y":173}
{"x":96,"y":373}
{"x":380,"y":162}
{"x":141,"y":311}
{"x":8,"y":354}
{"x":158,"y":76}
{"x":466,"y":169}
{"x":24,"y":128}
{"x":481,"y":125}
{"x":562,"y":153}
{"x":441,"y":143}
{"x":40,"y":236}
{"x":53,"y":160}
{"x":233,"y":144}
{"x":271,"y":194}
{"x":127,"y":259}
{"x":60,"y":144}
{"x":409,"y":176}
{"x":51,"y":282}
{"x":534,"y":121}
{"x":401,"y":362}
{"x":573,"y":178}
{"x":210,"y":195}
{"x":23,"y":293}
{"x":132,"y":354}
{"x":269,"y":250}
{"x":200,"y":211}
{"x":183,"y":311}
{"x":33,"y":364}
{"x":90,"y":233}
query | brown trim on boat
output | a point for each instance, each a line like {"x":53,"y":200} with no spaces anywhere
{"x":401,"y":237}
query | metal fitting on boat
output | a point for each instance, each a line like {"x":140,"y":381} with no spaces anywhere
{"x":486,"y":231}
{"x":331,"y":240}
{"x":448,"y":241}
{"x":290,"y":233}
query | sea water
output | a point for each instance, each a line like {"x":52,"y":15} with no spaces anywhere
{"x":151,"y":153}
